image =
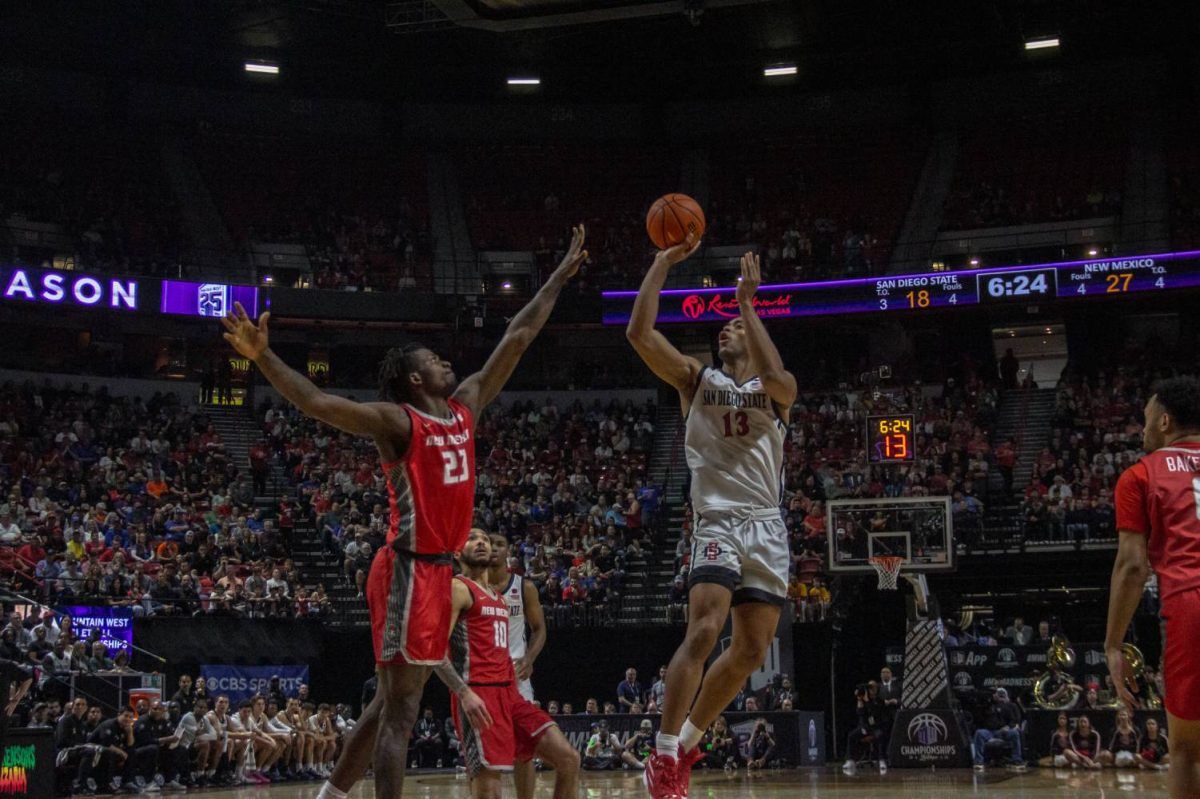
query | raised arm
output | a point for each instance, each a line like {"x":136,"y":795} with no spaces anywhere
{"x":478,"y":390}
{"x":537,"y":630}
{"x":379,"y":420}
{"x":671,"y":365}
{"x":764,"y":357}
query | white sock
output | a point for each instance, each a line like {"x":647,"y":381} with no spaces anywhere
{"x":330,"y":792}
{"x":667,"y":745}
{"x":690,"y":735}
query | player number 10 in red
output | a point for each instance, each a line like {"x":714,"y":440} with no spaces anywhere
{"x":500,"y":634}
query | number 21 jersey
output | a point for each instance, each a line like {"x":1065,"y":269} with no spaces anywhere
{"x":734,"y":444}
{"x":431,"y":489}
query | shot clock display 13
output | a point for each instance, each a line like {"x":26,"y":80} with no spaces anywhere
{"x":891,"y":439}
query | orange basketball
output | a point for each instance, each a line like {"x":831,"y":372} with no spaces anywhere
{"x":671,"y":218}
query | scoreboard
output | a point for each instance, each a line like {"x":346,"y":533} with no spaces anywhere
{"x":916,"y":293}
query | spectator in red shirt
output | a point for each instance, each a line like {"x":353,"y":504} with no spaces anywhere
{"x":574,"y":592}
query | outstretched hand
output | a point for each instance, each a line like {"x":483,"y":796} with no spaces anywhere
{"x":576,"y":255}
{"x":680,"y":252}
{"x":248,"y":338}
{"x":751,"y":278}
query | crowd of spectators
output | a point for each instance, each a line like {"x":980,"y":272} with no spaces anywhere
{"x":1096,"y":435}
{"x":566,"y":486}
{"x":87,"y":191}
{"x":358,"y":208}
{"x":800,"y":198}
{"x":1184,"y":165}
{"x":126,"y":501}
{"x":196,"y":739}
{"x":527,"y":197}
{"x":1049,"y":168}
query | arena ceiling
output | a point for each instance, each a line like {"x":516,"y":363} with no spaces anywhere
{"x":582,"y":49}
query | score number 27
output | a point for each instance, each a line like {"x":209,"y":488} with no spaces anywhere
{"x":1118,"y":283}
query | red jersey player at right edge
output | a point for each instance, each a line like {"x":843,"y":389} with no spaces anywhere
{"x":1158,"y":519}
{"x":425,"y":434}
{"x":735,"y":418}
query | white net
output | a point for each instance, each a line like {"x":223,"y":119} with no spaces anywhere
{"x":888,"y":569}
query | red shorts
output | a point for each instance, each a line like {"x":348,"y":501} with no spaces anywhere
{"x":1181,"y":658}
{"x":409,"y":602}
{"x":517,"y":725}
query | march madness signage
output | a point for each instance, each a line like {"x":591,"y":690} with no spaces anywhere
{"x":245,"y":682}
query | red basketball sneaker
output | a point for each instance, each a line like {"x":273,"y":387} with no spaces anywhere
{"x":661,"y":777}
{"x":686,"y":761}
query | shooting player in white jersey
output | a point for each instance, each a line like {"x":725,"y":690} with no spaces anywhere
{"x":736,"y":419}
{"x":524,"y":607}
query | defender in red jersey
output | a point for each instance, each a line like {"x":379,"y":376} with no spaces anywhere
{"x":1158,"y":518}
{"x":424,"y":431}
{"x":481,"y":658}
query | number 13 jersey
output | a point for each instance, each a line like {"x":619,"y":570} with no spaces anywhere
{"x":431,"y":489}
{"x":734,"y":444}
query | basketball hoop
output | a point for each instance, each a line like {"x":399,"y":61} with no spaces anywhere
{"x":888,"y":569}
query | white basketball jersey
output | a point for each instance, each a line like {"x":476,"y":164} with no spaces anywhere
{"x":514,"y":597}
{"x":734,"y":444}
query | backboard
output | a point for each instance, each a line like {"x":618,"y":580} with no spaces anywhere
{"x":918,"y":529}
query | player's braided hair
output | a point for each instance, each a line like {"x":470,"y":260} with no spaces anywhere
{"x":397,"y":365}
{"x":1181,"y":397}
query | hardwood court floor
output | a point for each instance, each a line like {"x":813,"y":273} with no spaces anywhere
{"x":896,"y":784}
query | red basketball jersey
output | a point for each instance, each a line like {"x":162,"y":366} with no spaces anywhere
{"x":431,"y":489}
{"x":1159,"y":496}
{"x":479,"y":644}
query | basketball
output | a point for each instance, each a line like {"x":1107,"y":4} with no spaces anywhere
{"x":671,"y":218}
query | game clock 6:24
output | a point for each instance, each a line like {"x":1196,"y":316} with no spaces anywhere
{"x":1023,"y":284}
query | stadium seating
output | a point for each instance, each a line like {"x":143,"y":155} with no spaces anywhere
{"x":1044,"y":168}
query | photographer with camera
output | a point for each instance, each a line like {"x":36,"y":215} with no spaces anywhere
{"x":869,"y":730}
{"x":1002,"y":720}
{"x":761,"y":746}
{"x":720,"y":748}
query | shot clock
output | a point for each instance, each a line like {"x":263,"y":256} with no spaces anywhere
{"x":891,"y":439}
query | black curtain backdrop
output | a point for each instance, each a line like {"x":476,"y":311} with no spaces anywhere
{"x":575,"y":665}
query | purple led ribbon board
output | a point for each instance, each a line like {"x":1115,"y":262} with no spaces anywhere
{"x":1038,"y":283}
{"x":54,"y":287}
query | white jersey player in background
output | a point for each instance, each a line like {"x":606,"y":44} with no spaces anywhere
{"x":524,"y":613}
{"x":736,"y":419}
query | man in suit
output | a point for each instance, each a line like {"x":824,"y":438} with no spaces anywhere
{"x":890,"y":691}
